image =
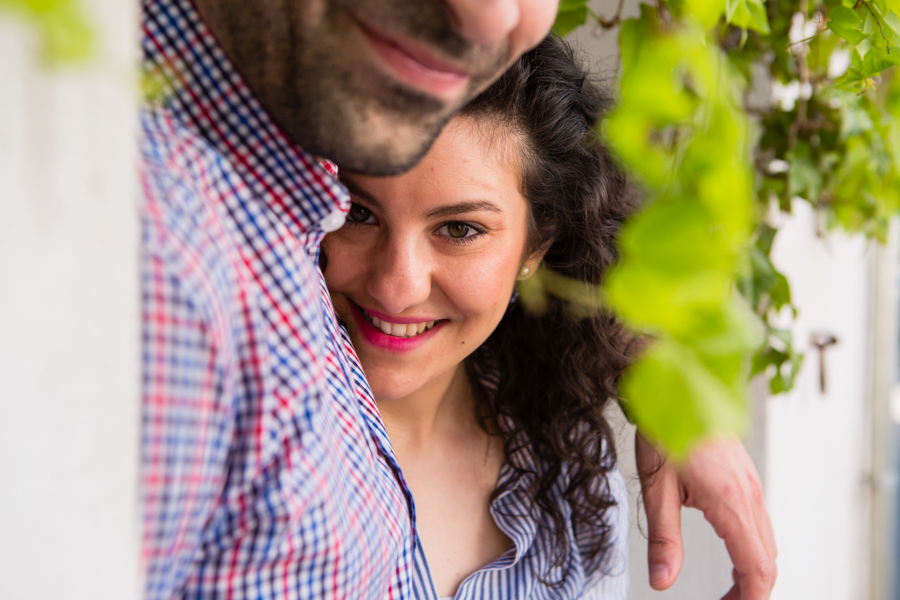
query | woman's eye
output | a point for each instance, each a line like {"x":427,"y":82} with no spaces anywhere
{"x":459,"y":231}
{"x":359,"y":213}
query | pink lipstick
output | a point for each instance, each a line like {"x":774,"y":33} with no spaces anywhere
{"x":391,"y":343}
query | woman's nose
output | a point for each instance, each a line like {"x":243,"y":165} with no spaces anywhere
{"x":485,"y":21}
{"x":401,"y":279}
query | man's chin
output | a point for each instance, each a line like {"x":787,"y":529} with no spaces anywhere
{"x":381,"y":154}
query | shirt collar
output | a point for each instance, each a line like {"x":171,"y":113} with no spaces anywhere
{"x":187,"y":73}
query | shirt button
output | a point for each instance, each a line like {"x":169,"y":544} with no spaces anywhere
{"x":333,"y":221}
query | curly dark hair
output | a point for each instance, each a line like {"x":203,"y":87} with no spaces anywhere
{"x":558,"y":371}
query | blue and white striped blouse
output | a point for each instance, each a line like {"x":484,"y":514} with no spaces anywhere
{"x":514,"y":576}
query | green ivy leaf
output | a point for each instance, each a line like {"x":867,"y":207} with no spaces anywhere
{"x":854,"y":80}
{"x":886,"y":6}
{"x":847,"y":24}
{"x":804,"y":177}
{"x":883,"y":30}
{"x":570,"y":19}
{"x":677,"y":399}
{"x":780,"y":293}
{"x":706,"y":12}
{"x":749,"y":14}
{"x":876,"y":60}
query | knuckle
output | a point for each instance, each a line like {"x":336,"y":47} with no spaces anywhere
{"x":663,"y":542}
{"x":756,"y":492}
{"x":734,"y":495}
{"x":768,"y":572}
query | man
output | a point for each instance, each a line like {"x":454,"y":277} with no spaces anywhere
{"x":266,"y":471}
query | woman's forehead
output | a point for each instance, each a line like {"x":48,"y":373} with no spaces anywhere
{"x":464,"y":164}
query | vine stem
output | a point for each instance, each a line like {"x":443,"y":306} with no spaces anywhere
{"x":801,"y":41}
{"x":887,"y":42}
{"x":614,"y":21}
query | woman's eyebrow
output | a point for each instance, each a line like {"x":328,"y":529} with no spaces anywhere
{"x":358,"y":191}
{"x":462,"y":207}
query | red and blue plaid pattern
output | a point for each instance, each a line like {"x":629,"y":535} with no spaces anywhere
{"x":266,"y":471}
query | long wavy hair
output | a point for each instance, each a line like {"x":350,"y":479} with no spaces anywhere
{"x":558,"y":368}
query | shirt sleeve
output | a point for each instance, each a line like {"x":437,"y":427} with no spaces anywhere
{"x":186,"y":413}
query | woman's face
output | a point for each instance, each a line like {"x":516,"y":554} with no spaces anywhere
{"x":423,"y":270}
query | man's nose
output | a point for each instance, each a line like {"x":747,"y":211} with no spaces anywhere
{"x":485,"y":21}
{"x":402,"y":278}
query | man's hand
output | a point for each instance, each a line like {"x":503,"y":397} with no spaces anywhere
{"x":720,"y":480}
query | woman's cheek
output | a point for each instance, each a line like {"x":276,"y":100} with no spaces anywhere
{"x":341,"y":266}
{"x":484,"y":286}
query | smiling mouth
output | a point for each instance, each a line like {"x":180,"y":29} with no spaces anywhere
{"x":399,"y":330}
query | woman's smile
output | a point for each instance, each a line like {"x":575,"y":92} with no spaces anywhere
{"x":424,"y":267}
{"x":395,"y":335}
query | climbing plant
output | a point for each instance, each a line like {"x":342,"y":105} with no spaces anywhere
{"x":729,"y":111}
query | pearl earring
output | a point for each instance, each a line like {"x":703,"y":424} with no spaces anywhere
{"x":525,"y":272}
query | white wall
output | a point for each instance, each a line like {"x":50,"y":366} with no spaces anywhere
{"x":818,"y":448}
{"x":69,"y":316}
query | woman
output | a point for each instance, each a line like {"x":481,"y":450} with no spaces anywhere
{"x":495,"y":413}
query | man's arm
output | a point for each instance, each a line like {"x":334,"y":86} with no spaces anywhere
{"x":720,"y":480}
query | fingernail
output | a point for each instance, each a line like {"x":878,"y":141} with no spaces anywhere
{"x":659,"y":574}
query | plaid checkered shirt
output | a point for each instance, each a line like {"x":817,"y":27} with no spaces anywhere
{"x":265,"y":468}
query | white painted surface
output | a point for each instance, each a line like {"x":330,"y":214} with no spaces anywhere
{"x":817,"y":444}
{"x":69,"y":316}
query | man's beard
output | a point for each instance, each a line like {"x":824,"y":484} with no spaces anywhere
{"x":359,"y":119}
{"x":384,"y":133}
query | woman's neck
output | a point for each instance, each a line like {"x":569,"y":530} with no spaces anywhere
{"x":442,"y":407}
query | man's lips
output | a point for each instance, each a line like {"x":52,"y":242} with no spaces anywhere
{"x":414,"y":65}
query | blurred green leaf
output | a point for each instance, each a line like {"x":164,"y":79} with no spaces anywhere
{"x":804,"y":177}
{"x":66,"y":34}
{"x":683,"y":128}
{"x":705,"y":12}
{"x":750,"y":14}
{"x":678,"y":400}
{"x":569,"y":19}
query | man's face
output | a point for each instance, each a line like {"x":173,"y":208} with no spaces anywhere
{"x":370,"y":83}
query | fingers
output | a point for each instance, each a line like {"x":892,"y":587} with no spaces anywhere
{"x":763,"y":521}
{"x":662,"y":503}
{"x":754,"y":563}
{"x":733,"y":594}
{"x":720,"y":480}
{"x":731,"y":498}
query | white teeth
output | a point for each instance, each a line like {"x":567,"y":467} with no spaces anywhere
{"x":399,"y":330}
